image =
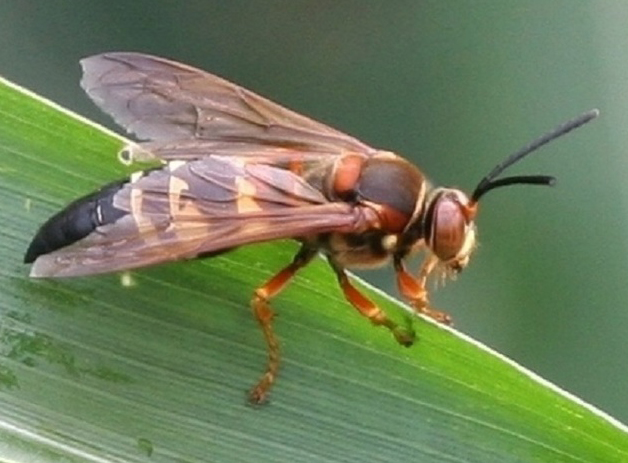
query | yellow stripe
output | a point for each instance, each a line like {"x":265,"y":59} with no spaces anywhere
{"x":246,"y":192}
{"x":175,"y":187}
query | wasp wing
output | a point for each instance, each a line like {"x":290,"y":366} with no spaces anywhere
{"x":191,"y":209}
{"x":254,"y":151}
{"x":162,"y":100}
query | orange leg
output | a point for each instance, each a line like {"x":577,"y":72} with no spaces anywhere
{"x":414,"y":289}
{"x":428,"y":265}
{"x":264,"y":315}
{"x":368,"y":309}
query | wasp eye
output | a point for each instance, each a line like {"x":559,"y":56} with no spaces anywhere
{"x":449,"y":228}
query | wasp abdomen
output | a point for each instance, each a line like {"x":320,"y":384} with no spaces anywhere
{"x":76,"y":221}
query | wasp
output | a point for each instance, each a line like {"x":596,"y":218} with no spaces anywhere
{"x":237,"y":169}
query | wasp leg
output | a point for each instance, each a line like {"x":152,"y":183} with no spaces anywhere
{"x":414,"y":289}
{"x":264,"y":315}
{"x":368,"y":308}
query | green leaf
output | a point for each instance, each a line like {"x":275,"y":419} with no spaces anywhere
{"x":155,"y":367}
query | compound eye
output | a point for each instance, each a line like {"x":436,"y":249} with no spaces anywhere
{"x":449,"y":229}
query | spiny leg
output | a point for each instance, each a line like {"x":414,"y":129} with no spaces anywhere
{"x":264,"y":315}
{"x":414,"y":290}
{"x":368,"y":308}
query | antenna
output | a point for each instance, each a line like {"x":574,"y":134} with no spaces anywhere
{"x":488,"y":183}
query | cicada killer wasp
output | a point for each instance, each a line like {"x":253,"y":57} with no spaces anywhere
{"x":239,"y":169}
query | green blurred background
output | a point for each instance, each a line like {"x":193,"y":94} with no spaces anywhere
{"x":454,"y":86}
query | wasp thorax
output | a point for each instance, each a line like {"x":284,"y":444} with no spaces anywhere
{"x":450,"y":231}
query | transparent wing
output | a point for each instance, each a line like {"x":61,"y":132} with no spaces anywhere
{"x":165,"y":101}
{"x":192,"y":209}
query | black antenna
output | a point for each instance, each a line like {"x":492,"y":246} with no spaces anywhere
{"x":487,"y":183}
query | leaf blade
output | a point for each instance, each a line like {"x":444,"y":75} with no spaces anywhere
{"x":94,"y":370}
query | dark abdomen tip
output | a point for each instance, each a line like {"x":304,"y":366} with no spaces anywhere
{"x":76,"y":221}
